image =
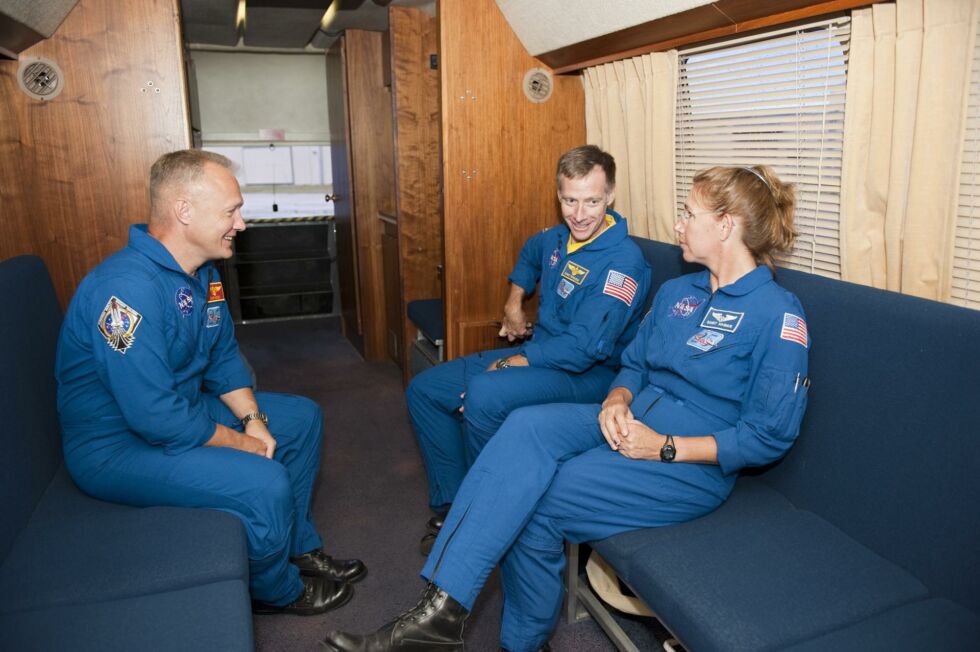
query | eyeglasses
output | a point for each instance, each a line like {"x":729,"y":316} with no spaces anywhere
{"x":685,"y":215}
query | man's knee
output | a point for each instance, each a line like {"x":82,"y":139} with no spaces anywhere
{"x":489,"y":399}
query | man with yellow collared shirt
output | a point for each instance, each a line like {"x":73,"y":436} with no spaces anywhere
{"x":593,"y":286}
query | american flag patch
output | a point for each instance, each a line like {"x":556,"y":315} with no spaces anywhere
{"x":794,"y":329}
{"x":621,"y":286}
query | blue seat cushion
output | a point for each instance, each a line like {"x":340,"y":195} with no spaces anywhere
{"x":751,"y":500}
{"x":765,"y":581}
{"x":214,"y":617}
{"x":115,"y":555}
{"x":934,"y":624}
{"x":427,"y":315}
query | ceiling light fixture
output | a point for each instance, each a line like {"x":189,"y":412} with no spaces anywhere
{"x":240,"y":16}
{"x":329,"y":15}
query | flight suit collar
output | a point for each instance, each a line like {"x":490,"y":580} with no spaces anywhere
{"x":747,"y":283}
{"x":141,"y":240}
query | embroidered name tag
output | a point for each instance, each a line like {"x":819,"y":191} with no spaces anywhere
{"x":574,"y":273}
{"x":722,"y":320}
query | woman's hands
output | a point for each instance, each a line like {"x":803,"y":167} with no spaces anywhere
{"x":623,"y":432}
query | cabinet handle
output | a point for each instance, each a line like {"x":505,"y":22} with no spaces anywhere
{"x":330,"y":198}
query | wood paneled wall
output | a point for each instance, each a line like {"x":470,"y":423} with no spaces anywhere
{"x":73,"y":170}
{"x":418,"y":171}
{"x":372,"y":175}
{"x":499,"y":157}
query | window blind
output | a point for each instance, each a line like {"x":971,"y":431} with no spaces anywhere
{"x":965,"y":286}
{"x":775,"y":99}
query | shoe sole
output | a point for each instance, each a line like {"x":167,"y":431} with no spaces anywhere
{"x":410,"y":646}
{"x":268,"y":610}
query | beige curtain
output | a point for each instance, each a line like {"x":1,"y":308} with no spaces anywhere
{"x":907,"y":86}
{"x":629,"y":112}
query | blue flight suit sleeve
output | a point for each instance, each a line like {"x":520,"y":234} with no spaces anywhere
{"x":773,"y":403}
{"x":594,"y":329}
{"x":141,"y":378}
{"x":527,"y":269}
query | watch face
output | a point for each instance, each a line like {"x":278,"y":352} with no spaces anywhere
{"x":667,"y":453}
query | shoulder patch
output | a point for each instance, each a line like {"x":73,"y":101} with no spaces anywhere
{"x":621,"y":286}
{"x":794,"y":329}
{"x":215,"y":292}
{"x":118,"y":323}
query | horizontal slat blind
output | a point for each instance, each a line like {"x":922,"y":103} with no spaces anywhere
{"x":778,"y":100}
{"x":965,"y":288}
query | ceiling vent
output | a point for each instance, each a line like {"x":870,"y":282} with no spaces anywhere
{"x":538,"y":85}
{"x":42,"y":79}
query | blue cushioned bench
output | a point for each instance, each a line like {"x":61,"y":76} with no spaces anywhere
{"x":81,"y":574}
{"x":866,"y":536}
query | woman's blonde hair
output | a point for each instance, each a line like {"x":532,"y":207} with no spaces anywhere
{"x":763,"y":204}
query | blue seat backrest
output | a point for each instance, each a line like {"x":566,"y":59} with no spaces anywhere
{"x":30,"y":435}
{"x":889,"y":450}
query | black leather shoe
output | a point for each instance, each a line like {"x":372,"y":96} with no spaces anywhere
{"x":434,"y":624}
{"x":318,"y":563}
{"x":319,"y":595}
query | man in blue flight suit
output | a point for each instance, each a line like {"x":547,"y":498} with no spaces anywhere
{"x":156,"y":404}
{"x":594,"y":281}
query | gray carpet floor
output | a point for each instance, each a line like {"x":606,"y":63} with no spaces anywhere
{"x":370,"y":501}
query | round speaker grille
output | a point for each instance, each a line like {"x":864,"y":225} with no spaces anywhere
{"x":538,"y":85}
{"x":40,"y":78}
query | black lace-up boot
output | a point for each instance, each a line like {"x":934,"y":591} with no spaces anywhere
{"x":435,"y":624}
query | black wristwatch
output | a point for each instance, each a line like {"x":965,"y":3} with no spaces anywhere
{"x":668,"y":452}
{"x":502,"y":363}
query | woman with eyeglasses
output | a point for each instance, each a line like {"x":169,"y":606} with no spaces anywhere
{"x":715,"y":381}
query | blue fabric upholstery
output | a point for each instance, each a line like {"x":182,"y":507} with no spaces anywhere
{"x":111,"y":556}
{"x":864,"y":536}
{"x":29,"y":326}
{"x":81,"y":574}
{"x":427,"y":315}
{"x":935,"y":624}
{"x":214,"y":617}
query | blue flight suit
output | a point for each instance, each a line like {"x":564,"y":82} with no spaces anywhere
{"x":732,"y":364}
{"x":590,"y":308}
{"x":145,"y":352}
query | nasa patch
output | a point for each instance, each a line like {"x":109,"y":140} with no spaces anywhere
{"x":565,"y":288}
{"x":686,"y":307}
{"x":555,"y":257}
{"x":214,"y":316}
{"x":705,"y":340}
{"x":185,"y":301}
{"x":722,"y":320}
{"x":118,"y":323}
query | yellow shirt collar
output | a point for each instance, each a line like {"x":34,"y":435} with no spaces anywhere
{"x":575,"y":246}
